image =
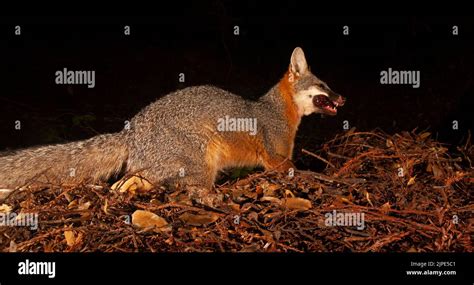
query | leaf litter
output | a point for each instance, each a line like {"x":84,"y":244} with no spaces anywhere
{"x":415,"y":195}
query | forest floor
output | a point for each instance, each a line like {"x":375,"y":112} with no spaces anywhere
{"x":404,"y":192}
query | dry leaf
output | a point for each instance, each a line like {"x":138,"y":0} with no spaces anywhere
{"x":70,"y":238}
{"x":270,"y":199}
{"x":146,"y":219}
{"x":132,"y":184}
{"x":271,"y":189}
{"x":289,"y":194}
{"x":234,"y":206}
{"x":424,"y":135}
{"x":344,"y":199}
{"x":106,"y":206}
{"x":367,"y":196}
{"x":4,"y":208}
{"x":68,"y":197}
{"x":84,"y":206}
{"x":385,"y":208}
{"x":72,"y":204}
{"x":13,"y":246}
{"x":200,"y":219}
{"x":411,"y":181}
{"x":297,"y":203}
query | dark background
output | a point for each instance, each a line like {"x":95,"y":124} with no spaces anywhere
{"x":132,"y":71}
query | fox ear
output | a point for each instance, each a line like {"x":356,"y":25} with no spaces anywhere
{"x":298,"y":64}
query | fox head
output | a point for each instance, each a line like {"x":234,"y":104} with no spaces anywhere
{"x":310,"y":94}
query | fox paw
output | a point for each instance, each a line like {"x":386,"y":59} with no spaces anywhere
{"x":132,"y":184}
{"x":205,"y":196}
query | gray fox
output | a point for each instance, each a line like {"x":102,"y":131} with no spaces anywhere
{"x":186,"y":137}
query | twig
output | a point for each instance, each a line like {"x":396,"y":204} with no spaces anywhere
{"x":318,"y":157}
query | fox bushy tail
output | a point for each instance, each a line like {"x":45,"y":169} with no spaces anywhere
{"x":93,"y":159}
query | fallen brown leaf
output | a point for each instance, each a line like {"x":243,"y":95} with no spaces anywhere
{"x":146,"y":219}
{"x":199,"y":219}
{"x":297,"y":203}
{"x":70,"y":238}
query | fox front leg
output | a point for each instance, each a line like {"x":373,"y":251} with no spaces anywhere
{"x":276,"y":155}
{"x":198,"y":182}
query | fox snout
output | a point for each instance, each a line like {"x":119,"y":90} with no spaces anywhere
{"x":328,"y":104}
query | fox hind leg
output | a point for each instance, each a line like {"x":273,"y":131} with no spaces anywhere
{"x":196,"y":177}
{"x":199,"y":184}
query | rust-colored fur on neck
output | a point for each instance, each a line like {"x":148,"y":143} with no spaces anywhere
{"x":287,"y":91}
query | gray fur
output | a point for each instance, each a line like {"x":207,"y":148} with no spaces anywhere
{"x":168,"y":136}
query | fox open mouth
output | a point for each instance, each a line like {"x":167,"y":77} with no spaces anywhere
{"x":325,"y":104}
